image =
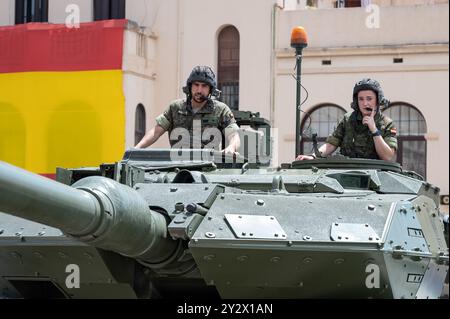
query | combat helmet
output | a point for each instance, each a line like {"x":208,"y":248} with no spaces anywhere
{"x":373,"y":85}
{"x":202,"y":74}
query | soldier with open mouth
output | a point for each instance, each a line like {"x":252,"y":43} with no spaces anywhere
{"x":365,"y":132}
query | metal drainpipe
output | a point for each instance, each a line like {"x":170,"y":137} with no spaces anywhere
{"x":179,"y":46}
{"x":272,"y":64}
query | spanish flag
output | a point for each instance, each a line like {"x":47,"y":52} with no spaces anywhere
{"x":61,"y":95}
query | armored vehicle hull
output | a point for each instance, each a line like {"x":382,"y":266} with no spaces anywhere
{"x":154,"y":226}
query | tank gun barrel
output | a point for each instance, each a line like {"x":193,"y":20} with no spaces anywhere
{"x":95,"y":210}
{"x":33,"y":197}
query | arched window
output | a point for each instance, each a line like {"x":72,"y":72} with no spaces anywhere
{"x":139,"y":125}
{"x":228,"y":66}
{"x":322,"y":120}
{"x":411,"y":128}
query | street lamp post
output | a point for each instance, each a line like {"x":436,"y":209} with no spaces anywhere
{"x":299,"y":41}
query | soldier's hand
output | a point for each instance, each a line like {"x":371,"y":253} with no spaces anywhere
{"x":230,"y":151}
{"x":369,"y":121}
{"x":304,"y":157}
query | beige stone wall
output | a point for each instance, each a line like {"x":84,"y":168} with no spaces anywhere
{"x":408,"y":2}
{"x":328,"y":4}
{"x":347,"y":27}
{"x":139,"y":81}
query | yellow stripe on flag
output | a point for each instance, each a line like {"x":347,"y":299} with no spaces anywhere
{"x":66,"y":119}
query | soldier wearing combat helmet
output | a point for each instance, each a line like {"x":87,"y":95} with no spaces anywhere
{"x":365,"y":132}
{"x":199,"y":120}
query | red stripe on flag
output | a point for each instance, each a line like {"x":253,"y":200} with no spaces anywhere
{"x":55,"y":47}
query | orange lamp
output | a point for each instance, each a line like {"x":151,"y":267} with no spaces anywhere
{"x":299,"y":38}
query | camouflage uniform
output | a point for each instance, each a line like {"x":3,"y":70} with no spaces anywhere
{"x":213,"y":114}
{"x":355,"y":139}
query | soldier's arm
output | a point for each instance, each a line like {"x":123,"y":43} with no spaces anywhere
{"x":234,"y":142}
{"x":231,"y":131}
{"x":384,"y":151}
{"x":163,"y":124}
{"x":331,"y":144}
{"x":335,"y":139}
{"x":151,"y":136}
{"x":326,"y":149}
{"x":386,"y":143}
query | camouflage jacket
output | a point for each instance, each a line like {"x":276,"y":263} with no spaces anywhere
{"x":197,"y":130}
{"x":355,"y":139}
